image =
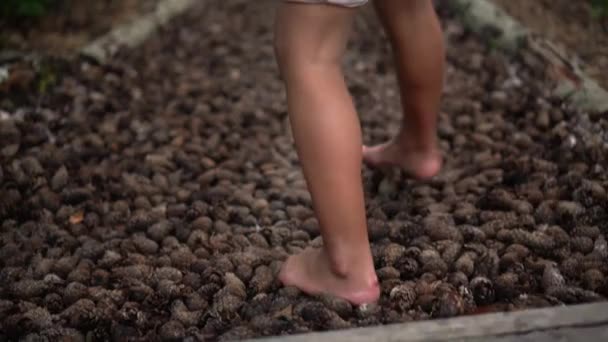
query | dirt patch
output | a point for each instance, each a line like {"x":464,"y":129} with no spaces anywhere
{"x":569,"y":24}
{"x":155,"y":197}
{"x":65,"y":29}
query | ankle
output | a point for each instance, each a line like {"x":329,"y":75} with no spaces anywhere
{"x":412,"y":140}
{"x":349,"y":266}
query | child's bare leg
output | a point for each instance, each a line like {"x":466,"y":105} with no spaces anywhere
{"x":415,"y":34}
{"x":310,"y":41}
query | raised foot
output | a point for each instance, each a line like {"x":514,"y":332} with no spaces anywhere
{"x":418,"y":163}
{"x":310,"y":271}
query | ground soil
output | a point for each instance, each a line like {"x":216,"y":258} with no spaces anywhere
{"x":155,"y":197}
{"x":69,"y":26}
{"x":569,"y":24}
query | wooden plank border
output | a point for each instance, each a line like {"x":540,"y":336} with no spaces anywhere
{"x":480,"y":327}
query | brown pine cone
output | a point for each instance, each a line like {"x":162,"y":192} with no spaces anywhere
{"x":472,"y":233}
{"x":391,"y":253}
{"x":506,"y":286}
{"x":483,"y":290}
{"x":403,"y":296}
{"x":441,"y":227}
{"x":451,"y":252}
{"x":465,"y":264}
{"x":552,"y":277}
{"x":435,"y":266}
{"x":587,"y":231}
{"x":570,"y":267}
{"x":448,"y":304}
{"x":572,"y":295}
{"x":521,"y":250}
{"x":408,"y":267}
{"x":593,"y":279}
{"x":487,"y":264}
{"x":600,"y":247}
{"x":559,"y":235}
{"x":581,"y":244}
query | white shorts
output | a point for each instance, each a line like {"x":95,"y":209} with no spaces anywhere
{"x":345,"y":3}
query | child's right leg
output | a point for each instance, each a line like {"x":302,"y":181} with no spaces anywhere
{"x":310,"y":42}
{"x":415,"y":34}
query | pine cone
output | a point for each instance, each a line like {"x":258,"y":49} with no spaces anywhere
{"x":496,"y":199}
{"x":545,"y":213}
{"x":491,"y":228}
{"x":573,"y":295}
{"x":477,"y":248}
{"x":570,"y":267}
{"x":591,"y":262}
{"x":388,"y":272}
{"x":427,"y":255}
{"x":536,"y":264}
{"x":488,"y":264}
{"x":559,"y":235}
{"x":562,"y":253}
{"x":341,"y":306}
{"x":590,"y":193}
{"x":451,"y":252}
{"x":140,"y":220}
{"x":568,"y":212}
{"x":593,"y":279}
{"x":600,"y":247}
{"x":448,"y":304}
{"x":521,"y":250}
{"x":552,"y":277}
{"x":587,"y":231}
{"x":465,"y":264}
{"x":581,"y":244}
{"x":472,"y":234}
{"x":320,"y":317}
{"x":506,"y":286}
{"x":541,"y":242}
{"x":439,"y":226}
{"x":391,"y":253}
{"x":262,"y":280}
{"x":408,"y":267}
{"x":458,"y":279}
{"x":507,"y":218}
{"x":435,"y":266}
{"x":509,"y":260}
{"x":403,"y":297}
{"x":483,"y":290}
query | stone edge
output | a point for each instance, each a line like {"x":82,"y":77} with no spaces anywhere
{"x":572,"y":83}
{"x":133,"y":33}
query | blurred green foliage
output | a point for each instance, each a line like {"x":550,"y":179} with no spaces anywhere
{"x":15,"y":9}
{"x":599,"y":8}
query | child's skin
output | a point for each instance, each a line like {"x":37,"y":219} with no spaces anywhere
{"x":310,"y":42}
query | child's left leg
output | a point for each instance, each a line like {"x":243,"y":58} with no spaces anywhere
{"x":310,"y":41}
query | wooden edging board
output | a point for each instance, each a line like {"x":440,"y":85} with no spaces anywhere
{"x":590,"y":320}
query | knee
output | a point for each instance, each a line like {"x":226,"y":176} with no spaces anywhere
{"x":291,"y":65}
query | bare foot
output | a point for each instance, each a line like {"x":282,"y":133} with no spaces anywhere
{"x":311,"y":272}
{"x":419,"y":163}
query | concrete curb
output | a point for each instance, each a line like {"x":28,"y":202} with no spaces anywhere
{"x":572,"y":83}
{"x":134,"y":33}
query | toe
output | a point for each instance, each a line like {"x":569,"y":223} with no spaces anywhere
{"x":285,"y":275}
